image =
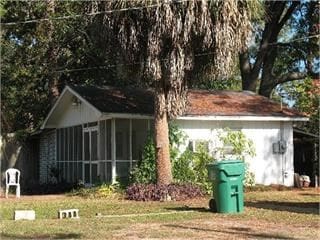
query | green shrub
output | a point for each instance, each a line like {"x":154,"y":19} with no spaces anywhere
{"x":145,"y":171}
{"x":182,"y":168}
{"x":188,"y":167}
{"x":241,"y":147}
{"x":191,"y":167}
{"x":201,"y":159}
{"x":102,"y":191}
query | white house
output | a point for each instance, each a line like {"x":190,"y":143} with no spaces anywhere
{"x":97,"y":134}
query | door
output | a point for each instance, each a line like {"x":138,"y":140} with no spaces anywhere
{"x":90,"y":148}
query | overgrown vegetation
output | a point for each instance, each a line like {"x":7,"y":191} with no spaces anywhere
{"x":101,"y":191}
{"x":191,"y":167}
{"x":188,"y":167}
{"x":240,"y":148}
{"x":145,"y":171}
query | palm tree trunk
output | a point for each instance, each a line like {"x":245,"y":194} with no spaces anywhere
{"x":161,"y":135}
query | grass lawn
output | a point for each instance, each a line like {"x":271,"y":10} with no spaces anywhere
{"x":289,"y":214}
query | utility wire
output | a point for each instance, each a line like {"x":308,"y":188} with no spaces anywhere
{"x":89,"y":14}
{"x":120,"y":64}
{"x":165,"y":59}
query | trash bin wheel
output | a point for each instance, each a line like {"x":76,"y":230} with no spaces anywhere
{"x":213,"y":205}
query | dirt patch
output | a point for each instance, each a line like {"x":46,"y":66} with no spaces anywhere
{"x":12,"y":197}
{"x":217,"y":228}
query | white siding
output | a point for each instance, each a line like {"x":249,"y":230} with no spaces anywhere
{"x":75,"y":115}
{"x":269,"y":168}
{"x":66,"y":115}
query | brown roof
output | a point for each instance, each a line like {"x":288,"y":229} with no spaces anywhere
{"x":116,"y":100}
{"x":200,"y":102}
{"x":234,"y":103}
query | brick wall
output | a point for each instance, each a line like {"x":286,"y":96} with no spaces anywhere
{"x":47,"y":156}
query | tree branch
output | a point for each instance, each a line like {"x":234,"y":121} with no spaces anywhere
{"x":288,"y":13}
{"x":245,"y":63}
{"x":290,"y":77}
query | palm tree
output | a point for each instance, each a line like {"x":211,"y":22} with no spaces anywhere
{"x":168,"y":40}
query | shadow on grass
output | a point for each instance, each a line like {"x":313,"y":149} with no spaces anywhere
{"x":310,"y":194}
{"x":234,"y":231}
{"x":295,"y":207}
{"x":41,"y":236}
{"x":191,"y":209}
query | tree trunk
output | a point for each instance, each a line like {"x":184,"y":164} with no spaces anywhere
{"x":249,"y":81}
{"x":161,"y":135}
{"x":260,"y":73}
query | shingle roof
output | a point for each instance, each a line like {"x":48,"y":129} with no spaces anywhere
{"x":200,"y":102}
{"x":234,"y":103}
{"x":115,"y":100}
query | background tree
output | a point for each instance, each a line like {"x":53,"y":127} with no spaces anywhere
{"x":288,"y":48}
{"x":33,"y":53}
{"x":166,"y":38}
{"x":304,"y":95}
{"x":144,"y":43}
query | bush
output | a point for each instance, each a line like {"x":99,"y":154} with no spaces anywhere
{"x":154,"y":192}
{"x":101,"y":191}
{"x":182,"y":168}
{"x":242,"y":148}
{"x":191,"y":167}
{"x":188,"y":167}
{"x":145,"y":171}
{"x":201,"y":160}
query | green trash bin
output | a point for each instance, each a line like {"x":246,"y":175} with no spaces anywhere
{"x":227,"y":177}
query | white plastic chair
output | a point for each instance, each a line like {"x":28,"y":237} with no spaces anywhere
{"x":13,"y":179}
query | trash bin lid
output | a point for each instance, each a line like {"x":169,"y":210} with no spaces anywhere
{"x":230,"y":167}
{"x":225,"y":161}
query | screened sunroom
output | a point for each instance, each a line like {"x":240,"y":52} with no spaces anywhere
{"x":91,"y":140}
{"x":103,"y":151}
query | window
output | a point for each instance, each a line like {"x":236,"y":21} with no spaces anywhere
{"x":131,"y":136}
{"x":198,"y":145}
{"x":105,"y":163}
{"x":139,"y":137}
{"x":105,"y":140}
{"x":122,"y":139}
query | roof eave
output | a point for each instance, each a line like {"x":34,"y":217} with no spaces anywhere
{"x":106,"y":115}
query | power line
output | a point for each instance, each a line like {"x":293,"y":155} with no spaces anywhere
{"x":165,"y":59}
{"x":121,"y":64}
{"x":88,"y":14}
